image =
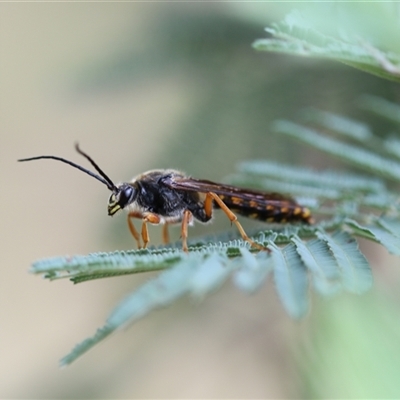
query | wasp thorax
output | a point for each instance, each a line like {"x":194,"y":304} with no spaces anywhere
{"x":124,"y":196}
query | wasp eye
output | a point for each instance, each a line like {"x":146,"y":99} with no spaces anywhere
{"x":125,"y":196}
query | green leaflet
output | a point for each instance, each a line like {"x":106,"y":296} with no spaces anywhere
{"x":81,"y":268}
{"x":253,"y":271}
{"x":354,"y":154}
{"x":336,"y":123}
{"x":380,"y":106}
{"x":378,"y":233}
{"x":321,"y":263}
{"x":392,"y":146}
{"x":391,"y":225}
{"x":100,"y":265}
{"x":355,"y":270}
{"x":192,"y":275}
{"x":86,"y":345}
{"x":210,"y":275}
{"x":298,"y":35}
{"x":307,"y":178}
{"x":291,"y":280}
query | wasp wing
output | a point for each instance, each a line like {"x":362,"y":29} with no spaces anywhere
{"x":270,"y":207}
{"x":204,"y":186}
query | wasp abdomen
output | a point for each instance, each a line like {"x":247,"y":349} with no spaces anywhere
{"x":268,"y":211}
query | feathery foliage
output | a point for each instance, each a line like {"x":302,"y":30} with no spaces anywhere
{"x":298,"y":35}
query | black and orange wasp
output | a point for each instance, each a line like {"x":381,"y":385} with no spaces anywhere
{"x":168,"y":196}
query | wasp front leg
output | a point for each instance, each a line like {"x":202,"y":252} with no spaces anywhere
{"x":148,"y":217}
{"x":132,"y":228}
{"x":153,"y":219}
{"x":210,"y":196}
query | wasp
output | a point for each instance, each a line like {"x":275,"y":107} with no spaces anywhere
{"x":168,"y":196}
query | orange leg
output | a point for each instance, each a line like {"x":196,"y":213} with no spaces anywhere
{"x":145,"y":234}
{"x":132,"y":228}
{"x":232,"y":217}
{"x":153,"y":219}
{"x":208,"y":206}
{"x":184,"y":231}
{"x":165,"y":234}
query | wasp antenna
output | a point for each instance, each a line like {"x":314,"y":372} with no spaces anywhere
{"x":110,"y":183}
{"x":101,"y":178}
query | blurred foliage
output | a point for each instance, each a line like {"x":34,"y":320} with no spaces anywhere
{"x":351,"y":349}
{"x":235,"y":93}
{"x":295,"y":35}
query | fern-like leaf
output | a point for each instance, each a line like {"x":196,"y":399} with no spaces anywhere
{"x":253,"y":272}
{"x":190,"y":274}
{"x":337,"y":123}
{"x":351,"y":153}
{"x":381,"y":107}
{"x":291,"y":279}
{"x":296,"y":35}
{"x":322,"y":264}
{"x":355,"y":270}
{"x":377,"y":233}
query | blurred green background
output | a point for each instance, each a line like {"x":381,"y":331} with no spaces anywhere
{"x":178,"y":85}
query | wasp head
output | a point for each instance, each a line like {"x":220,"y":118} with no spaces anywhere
{"x":121,"y":197}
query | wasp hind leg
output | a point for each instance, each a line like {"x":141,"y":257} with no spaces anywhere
{"x":232,"y":217}
{"x":165,"y":234}
{"x":187,"y":215}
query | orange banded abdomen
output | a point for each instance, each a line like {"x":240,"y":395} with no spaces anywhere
{"x":285,"y":210}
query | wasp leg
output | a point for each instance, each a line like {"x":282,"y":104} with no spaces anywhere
{"x":232,"y":217}
{"x":132,"y":228}
{"x":145,"y":234}
{"x":153,"y":219}
{"x":187,"y":215}
{"x":165,"y":234}
{"x":208,"y":205}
